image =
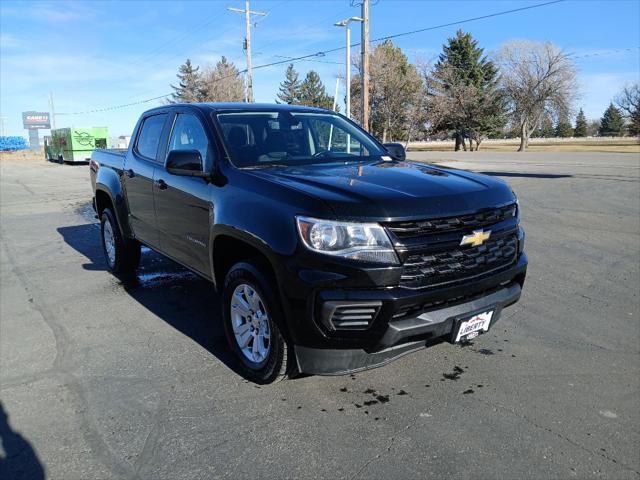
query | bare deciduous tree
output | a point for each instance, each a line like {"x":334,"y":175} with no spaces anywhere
{"x":222,"y":83}
{"x":396,"y":93}
{"x":460,"y":106}
{"x":629,"y":102}
{"x":537,"y":78}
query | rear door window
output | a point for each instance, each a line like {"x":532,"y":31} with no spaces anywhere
{"x":149,"y":137}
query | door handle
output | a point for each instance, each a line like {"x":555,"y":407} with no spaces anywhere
{"x":161,"y":184}
{"x":130,"y":173}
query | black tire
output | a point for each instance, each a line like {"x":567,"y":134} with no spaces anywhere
{"x":276,"y":365}
{"x":126,"y":252}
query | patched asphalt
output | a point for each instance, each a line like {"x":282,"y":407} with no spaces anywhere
{"x":130,"y":378}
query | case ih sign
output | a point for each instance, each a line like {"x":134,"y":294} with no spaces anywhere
{"x":35,"y":120}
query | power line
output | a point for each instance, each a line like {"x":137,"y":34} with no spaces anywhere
{"x":309,"y":60}
{"x":116,"y":107}
{"x":411,"y":32}
{"x":473,"y":19}
{"x":323,"y":53}
{"x":604,"y":52}
{"x":139,"y":62}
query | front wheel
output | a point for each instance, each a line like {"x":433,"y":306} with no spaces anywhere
{"x":250,"y":306}
{"x":122,"y":255}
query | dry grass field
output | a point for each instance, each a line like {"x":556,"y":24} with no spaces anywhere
{"x":27,"y":155}
{"x":616,"y":145}
{"x":613,"y":145}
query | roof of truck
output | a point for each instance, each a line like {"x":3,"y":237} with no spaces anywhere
{"x":245,"y":106}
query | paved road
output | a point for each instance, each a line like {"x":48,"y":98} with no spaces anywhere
{"x":107,"y":379}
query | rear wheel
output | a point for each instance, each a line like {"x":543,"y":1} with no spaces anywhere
{"x":122,"y":255}
{"x":250,"y":307}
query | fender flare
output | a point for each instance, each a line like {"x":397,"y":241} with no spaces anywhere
{"x":253,"y":241}
{"x":119,"y":206}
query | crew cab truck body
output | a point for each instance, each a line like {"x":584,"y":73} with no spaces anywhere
{"x":332,"y":253}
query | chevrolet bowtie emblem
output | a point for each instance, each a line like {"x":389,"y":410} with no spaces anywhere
{"x":476,"y":239}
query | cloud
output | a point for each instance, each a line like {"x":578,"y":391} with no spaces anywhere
{"x":53,"y":12}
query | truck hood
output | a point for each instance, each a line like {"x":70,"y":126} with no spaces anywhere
{"x":384,"y":190}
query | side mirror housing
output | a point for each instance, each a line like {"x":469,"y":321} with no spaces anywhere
{"x":187,"y":163}
{"x":396,"y":150}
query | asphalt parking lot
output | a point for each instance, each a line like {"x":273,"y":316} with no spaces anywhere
{"x":103,"y":378}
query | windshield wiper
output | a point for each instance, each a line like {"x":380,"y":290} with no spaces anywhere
{"x":264,"y":165}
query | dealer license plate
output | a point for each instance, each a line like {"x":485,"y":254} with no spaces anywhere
{"x":471,"y":328}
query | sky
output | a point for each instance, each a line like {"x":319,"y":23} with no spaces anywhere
{"x":93,"y":55}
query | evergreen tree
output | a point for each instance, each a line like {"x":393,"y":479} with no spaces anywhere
{"x":581,"y":125}
{"x":290,"y":88}
{"x":313,"y":93}
{"x":545,"y":129}
{"x":188,"y":89}
{"x":564,"y":128}
{"x":466,"y":100}
{"x":612,"y":123}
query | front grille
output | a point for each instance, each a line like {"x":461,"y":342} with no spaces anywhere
{"x":428,"y":268}
{"x":449,"y":224}
{"x":412,"y":311}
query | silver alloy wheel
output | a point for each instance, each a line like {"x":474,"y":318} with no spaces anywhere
{"x":250,"y":322}
{"x":109,"y":242}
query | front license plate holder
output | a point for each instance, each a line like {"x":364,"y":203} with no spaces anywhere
{"x":471,"y":326}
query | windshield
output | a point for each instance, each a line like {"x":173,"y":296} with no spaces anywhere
{"x":272,"y":138}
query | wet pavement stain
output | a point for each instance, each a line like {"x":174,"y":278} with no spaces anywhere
{"x":457,"y":371}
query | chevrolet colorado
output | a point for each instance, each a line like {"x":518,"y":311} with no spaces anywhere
{"x":332,"y":253}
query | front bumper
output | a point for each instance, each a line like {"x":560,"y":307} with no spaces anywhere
{"x":405,"y":336}
{"x":406,"y":319}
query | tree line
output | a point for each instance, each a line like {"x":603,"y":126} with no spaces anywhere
{"x":525,"y":90}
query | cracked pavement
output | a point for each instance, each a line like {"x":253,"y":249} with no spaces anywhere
{"x":106,"y":378}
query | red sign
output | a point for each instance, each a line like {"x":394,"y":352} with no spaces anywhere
{"x":35,"y":120}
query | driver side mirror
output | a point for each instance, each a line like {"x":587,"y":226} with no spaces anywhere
{"x":187,"y":163}
{"x":396,"y":150}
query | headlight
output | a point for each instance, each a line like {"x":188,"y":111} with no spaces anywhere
{"x":367,"y":242}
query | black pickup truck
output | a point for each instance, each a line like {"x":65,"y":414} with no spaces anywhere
{"x":332,"y":253}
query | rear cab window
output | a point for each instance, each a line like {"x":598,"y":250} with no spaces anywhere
{"x":148,"y":141}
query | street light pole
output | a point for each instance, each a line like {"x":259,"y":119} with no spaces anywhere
{"x":348,"y":72}
{"x":345,"y":23}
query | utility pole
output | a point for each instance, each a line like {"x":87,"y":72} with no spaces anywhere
{"x":247,"y":43}
{"x":52,"y":112}
{"x":364,"y":73}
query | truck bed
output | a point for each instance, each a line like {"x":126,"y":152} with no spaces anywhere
{"x":106,"y":158}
